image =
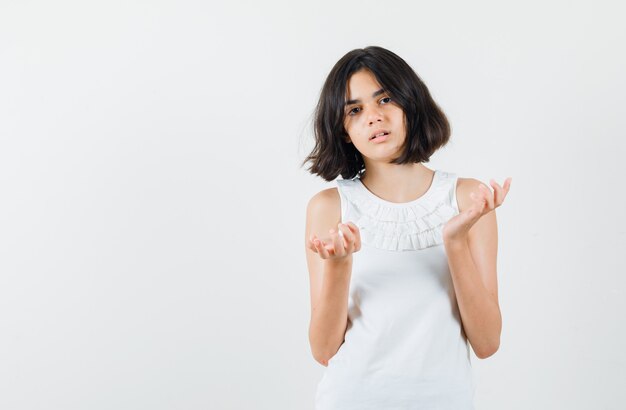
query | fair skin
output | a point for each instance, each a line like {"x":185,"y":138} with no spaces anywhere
{"x":470,"y":238}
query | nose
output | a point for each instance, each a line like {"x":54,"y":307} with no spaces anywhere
{"x":375,"y":115}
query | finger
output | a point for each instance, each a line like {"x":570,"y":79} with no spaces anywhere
{"x":507,"y":184}
{"x":357,"y":235}
{"x":340,"y":249}
{"x":479,"y":203}
{"x":316,"y":246}
{"x":476,"y":209}
{"x":488,"y":195}
{"x":310,"y":243}
{"x":327,"y":243}
{"x":348,"y":237}
{"x":321,"y":248}
{"x":498,"y":193}
{"x":505,"y":189}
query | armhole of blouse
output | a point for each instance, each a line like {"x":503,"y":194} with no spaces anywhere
{"x":342,"y":203}
{"x":455,"y":185}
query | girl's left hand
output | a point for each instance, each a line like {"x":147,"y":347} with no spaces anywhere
{"x":484,"y":202}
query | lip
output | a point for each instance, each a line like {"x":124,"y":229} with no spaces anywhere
{"x":379,"y":139}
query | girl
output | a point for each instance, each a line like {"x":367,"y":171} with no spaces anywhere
{"x":401,"y":258}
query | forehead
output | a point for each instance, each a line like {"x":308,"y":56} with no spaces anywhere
{"x":361,"y":85}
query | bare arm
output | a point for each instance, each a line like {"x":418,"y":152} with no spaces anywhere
{"x":330,"y":269}
{"x":478,"y":305}
{"x":329,"y":317}
{"x":472,"y":258}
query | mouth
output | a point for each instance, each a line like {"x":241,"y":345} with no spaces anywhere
{"x":378,"y":134}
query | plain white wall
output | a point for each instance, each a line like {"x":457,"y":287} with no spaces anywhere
{"x":152,"y":204}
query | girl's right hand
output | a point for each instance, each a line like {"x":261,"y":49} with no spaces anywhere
{"x":338,"y":246}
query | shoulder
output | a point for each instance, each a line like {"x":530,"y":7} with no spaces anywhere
{"x":325,"y":204}
{"x":323,"y":213}
{"x":325,"y":198}
{"x":464,"y":187}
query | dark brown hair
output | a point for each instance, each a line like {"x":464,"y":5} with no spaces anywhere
{"x":427,"y":127}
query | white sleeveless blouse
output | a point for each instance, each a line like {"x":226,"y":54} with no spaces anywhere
{"x":404,"y":346}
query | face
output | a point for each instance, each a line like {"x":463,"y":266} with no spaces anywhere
{"x":370,"y":109}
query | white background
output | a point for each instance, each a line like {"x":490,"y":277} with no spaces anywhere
{"x":152,"y":201}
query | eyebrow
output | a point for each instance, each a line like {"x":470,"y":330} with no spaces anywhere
{"x":376,"y":94}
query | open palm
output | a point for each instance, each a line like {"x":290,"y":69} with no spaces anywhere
{"x":483,"y":202}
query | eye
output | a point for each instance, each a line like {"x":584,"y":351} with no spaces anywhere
{"x":352,"y":111}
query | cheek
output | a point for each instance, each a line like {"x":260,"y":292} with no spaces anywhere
{"x":401,"y":119}
{"x":351,"y":126}
{"x":399,"y":115}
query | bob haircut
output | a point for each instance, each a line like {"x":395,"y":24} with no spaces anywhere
{"x":427,"y":127}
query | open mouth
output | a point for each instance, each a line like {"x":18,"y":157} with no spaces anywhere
{"x":380,"y":134}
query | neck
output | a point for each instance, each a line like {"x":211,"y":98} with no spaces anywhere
{"x":397,"y":183}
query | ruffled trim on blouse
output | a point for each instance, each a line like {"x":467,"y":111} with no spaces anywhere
{"x":399,"y":226}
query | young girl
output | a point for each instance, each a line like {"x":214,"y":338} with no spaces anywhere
{"x":401,"y":258}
